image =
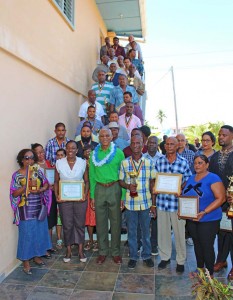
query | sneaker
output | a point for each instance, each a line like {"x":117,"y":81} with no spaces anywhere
{"x":132,"y":264}
{"x":88,"y":246}
{"x":189,"y":241}
{"x":149,"y":263}
{"x":154,"y":251}
{"x":163,"y":264}
{"x":179,"y":268}
{"x":95,"y":246}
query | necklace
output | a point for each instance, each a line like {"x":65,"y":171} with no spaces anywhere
{"x":71,"y":162}
{"x":107,"y":159}
{"x":227,"y":150}
{"x":41,"y":163}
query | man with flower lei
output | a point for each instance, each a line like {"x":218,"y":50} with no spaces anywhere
{"x":106,"y":193}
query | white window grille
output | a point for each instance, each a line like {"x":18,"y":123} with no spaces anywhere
{"x":66,"y":7}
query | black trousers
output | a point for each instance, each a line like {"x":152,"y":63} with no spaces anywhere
{"x":203,"y":235}
{"x":225,"y":245}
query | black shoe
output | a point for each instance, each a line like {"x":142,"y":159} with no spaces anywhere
{"x":123,"y":230}
{"x":179,"y":268}
{"x":132,"y":264}
{"x":149,"y":263}
{"x":162,"y":265}
{"x":47,"y":256}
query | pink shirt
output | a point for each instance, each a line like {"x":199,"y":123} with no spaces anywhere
{"x":129,"y":123}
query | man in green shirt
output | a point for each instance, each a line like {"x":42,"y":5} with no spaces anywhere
{"x":105,"y":193}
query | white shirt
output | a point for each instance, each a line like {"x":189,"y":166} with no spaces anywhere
{"x":66,"y":173}
{"x":83,"y":110}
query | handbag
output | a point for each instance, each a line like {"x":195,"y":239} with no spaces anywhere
{"x":43,"y":213}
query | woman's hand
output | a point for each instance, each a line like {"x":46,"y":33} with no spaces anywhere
{"x":199,"y":216}
{"x":229,"y":199}
{"x":92,"y":204}
{"x":58,"y":199}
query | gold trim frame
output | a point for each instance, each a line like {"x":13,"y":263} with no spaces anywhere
{"x":190,"y":203}
{"x":72,"y":185}
{"x":164,"y":183}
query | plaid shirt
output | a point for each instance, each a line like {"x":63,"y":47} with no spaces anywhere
{"x":51,"y":149}
{"x":147,"y":172}
{"x":169,"y":202}
{"x":189,"y":155}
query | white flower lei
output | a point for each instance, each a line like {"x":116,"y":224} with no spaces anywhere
{"x":108,"y":158}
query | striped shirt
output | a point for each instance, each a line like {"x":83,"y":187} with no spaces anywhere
{"x":169,"y":202}
{"x":102,"y":92}
{"x":51,"y":149}
{"x":143,"y":200}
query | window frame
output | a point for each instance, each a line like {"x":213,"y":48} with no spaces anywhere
{"x":64,"y":16}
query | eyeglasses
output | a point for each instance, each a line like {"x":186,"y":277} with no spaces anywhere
{"x":199,"y":163}
{"x":206,"y":141}
{"x":28,"y":157}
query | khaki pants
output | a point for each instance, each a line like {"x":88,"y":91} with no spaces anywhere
{"x":166,"y":220}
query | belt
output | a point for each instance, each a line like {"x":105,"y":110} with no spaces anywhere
{"x":108,"y":184}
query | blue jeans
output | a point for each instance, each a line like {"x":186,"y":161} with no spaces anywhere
{"x":135,"y":218}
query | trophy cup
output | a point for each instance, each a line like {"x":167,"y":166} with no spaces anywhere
{"x":230,"y":193}
{"x":109,"y":76}
{"x":133,"y":175}
{"x":32,"y":179}
{"x":131,"y":80}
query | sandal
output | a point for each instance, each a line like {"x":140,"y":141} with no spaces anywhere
{"x":95,"y":246}
{"x":41,"y":263}
{"x":27,"y":271}
{"x":88,"y":246}
{"x":67,"y":258}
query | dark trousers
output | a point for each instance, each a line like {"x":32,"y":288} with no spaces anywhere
{"x":153,"y":234}
{"x":203,"y":235}
{"x":225,"y":245}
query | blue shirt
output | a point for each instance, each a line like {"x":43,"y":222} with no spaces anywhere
{"x":96,"y":126}
{"x":116,"y":96}
{"x":120,"y":143}
{"x":202,"y":188}
{"x":169,"y":202}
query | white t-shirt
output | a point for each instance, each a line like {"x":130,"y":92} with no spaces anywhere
{"x":66,"y":173}
{"x":83,"y":110}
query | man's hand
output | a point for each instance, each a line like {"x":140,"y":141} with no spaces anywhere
{"x":153,"y":211}
{"x":122,"y":205}
{"x":92,"y":203}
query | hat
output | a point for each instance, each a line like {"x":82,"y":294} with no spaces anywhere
{"x":113,"y":125}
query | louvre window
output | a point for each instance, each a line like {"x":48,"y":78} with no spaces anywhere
{"x":67,"y":9}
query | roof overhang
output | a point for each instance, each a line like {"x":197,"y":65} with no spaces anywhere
{"x":124,"y":17}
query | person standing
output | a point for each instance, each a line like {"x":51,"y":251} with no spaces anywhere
{"x":138,"y":207}
{"x":167,"y":206}
{"x":221,"y":163}
{"x":105,"y":193}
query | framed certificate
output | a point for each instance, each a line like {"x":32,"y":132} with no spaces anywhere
{"x":50,"y":175}
{"x":188,"y":207}
{"x":71,"y":190}
{"x":225,"y":223}
{"x":166,"y":183}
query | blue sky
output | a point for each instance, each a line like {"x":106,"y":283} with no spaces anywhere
{"x":196,"y":38}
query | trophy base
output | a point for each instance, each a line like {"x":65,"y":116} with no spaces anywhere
{"x":230,"y":213}
{"x":133,"y":194}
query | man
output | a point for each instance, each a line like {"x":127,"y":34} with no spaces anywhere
{"x":162,"y":145}
{"x":128,"y":151}
{"x":129,"y":45}
{"x":91,"y":101}
{"x":153,"y":154}
{"x":136,"y":62}
{"x":58,"y":142}
{"x":96,"y":124}
{"x":127,"y":63}
{"x":167,"y":206}
{"x":137,"y":109}
{"x":135,"y":81}
{"x":104,"y":49}
{"x":197,"y":143}
{"x":113,"y":117}
{"x":86,"y":143}
{"x":120,"y":143}
{"x":129,"y":120}
{"x":101,"y":67}
{"x":113,"y":75}
{"x":186,"y":153}
{"x":121,"y":66}
{"x":116,"y":97}
{"x":221,"y":163}
{"x":138,"y":207}
{"x":119,"y":50}
{"x":102,"y":89}
{"x":112,"y":57}
{"x":94,"y":137}
{"x":105,"y":194}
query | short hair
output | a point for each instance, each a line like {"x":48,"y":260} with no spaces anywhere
{"x":102,"y":71}
{"x":127,"y":58}
{"x":116,"y":38}
{"x":230,"y":128}
{"x":113,"y":63}
{"x":154,"y":137}
{"x":128,"y":93}
{"x":34,"y":146}
{"x":61,"y":149}
{"x":91,"y":106}
{"x":122,"y":75}
{"x":21,"y":155}
{"x":202,"y":157}
{"x":60,"y":124}
{"x":211,"y":135}
{"x":71,"y":141}
{"x":113,"y":112}
{"x":131,"y":50}
{"x":146,"y":130}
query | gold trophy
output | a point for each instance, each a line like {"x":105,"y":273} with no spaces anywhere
{"x":32,"y":179}
{"x":131,"y":80}
{"x":133,"y":175}
{"x":109,"y":76}
{"x":230,"y":193}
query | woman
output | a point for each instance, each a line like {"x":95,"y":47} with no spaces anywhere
{"x":72,"y":212}
{"x":33,"y":239}
{"x":208,"y":141}
{"x":210,"y":190}
{"x":44,"y":164}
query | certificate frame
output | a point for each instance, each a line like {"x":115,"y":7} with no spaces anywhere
{"x":225,"y":224}
{"x":50,"y":175}
{"x":74,"y":187}
{"x":188,"y":203}
{"x":172,"y":185}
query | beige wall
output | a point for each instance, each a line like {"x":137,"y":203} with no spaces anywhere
{"x":45,"y":71}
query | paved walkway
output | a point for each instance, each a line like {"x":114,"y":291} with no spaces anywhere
{"x":76,"y":280}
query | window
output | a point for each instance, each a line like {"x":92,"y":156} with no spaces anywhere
{"x":66,"y":7}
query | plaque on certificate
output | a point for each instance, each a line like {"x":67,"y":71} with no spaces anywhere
{"x":225,"y":223}
{"x":71,"y":190}
{"x":188,"y":207}
{"x":50,"y":175}
{"x":167,"y":183}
